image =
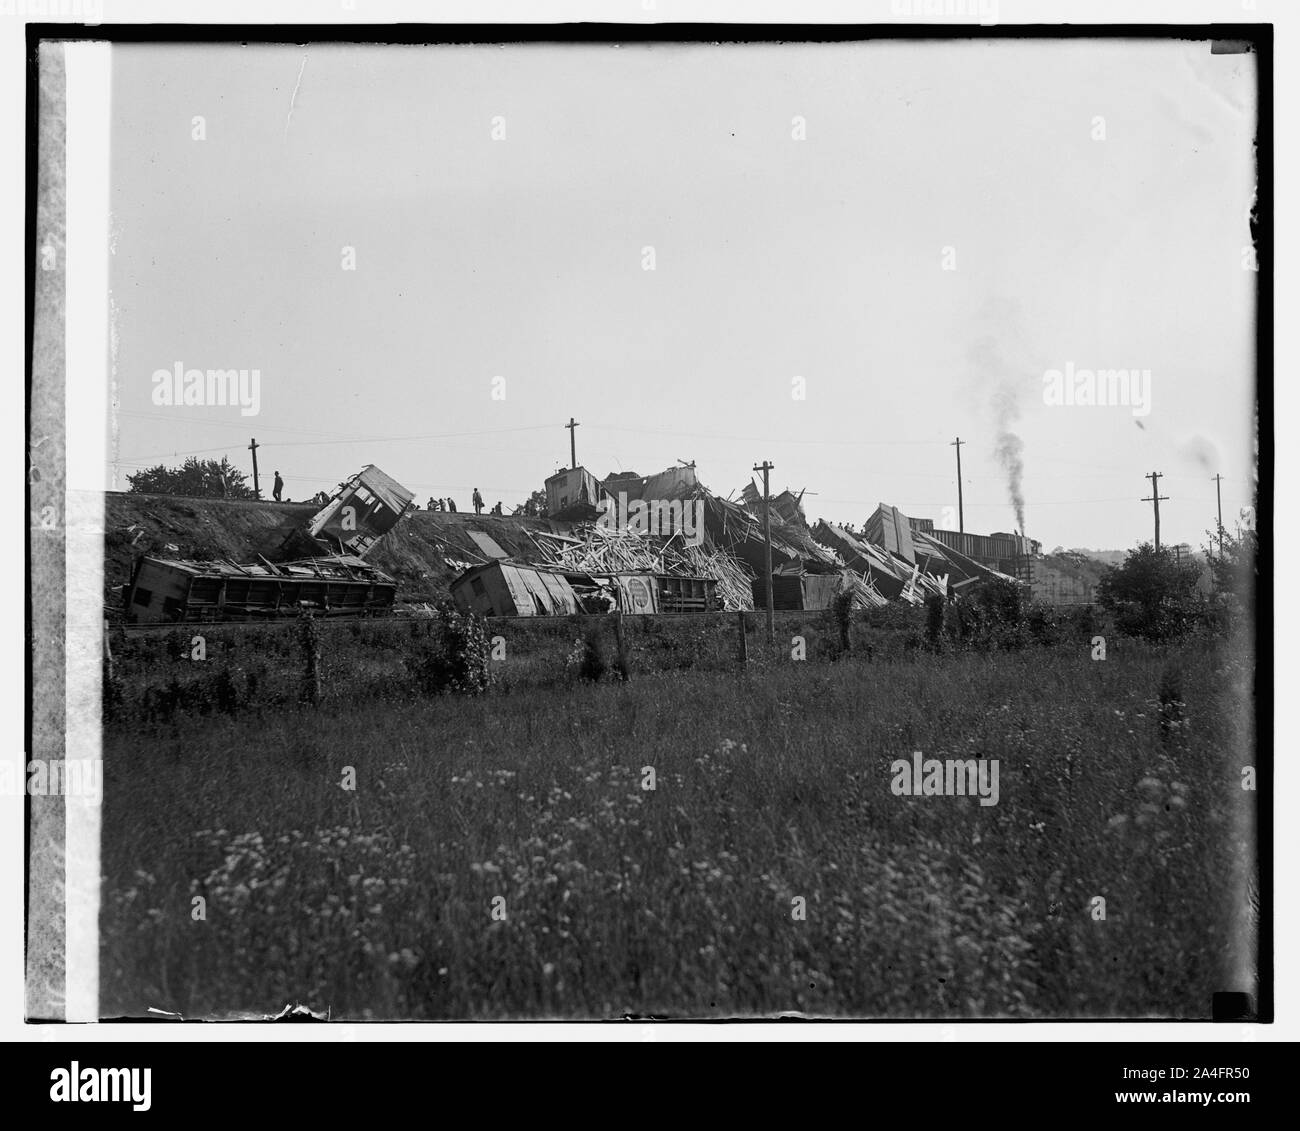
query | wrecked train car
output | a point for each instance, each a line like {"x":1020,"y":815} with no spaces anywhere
{"x":508,"y":589}
{"x":666,"y":593}
{"x":366,"y":506}
{"x":176,"y":592}
{"x":797,"y":587}
{"x":573,"y":494}
{"x":512,"y":589}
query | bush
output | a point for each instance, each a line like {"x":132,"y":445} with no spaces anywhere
{"x":1225,"y":614}
{"x":841,"y":610}
{"x":1151,"y":594}
{"x":226,"y":693}
{"x":992,"y":618}
{"x":589,"y":660}
{"x":935,"y":608}
{"x":455,"y":657}
{"x":1083,"y":622}
{"x":1043,"y":625}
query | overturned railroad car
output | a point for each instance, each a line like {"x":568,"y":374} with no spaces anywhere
{"x":512,"y":589}
{"x":173,"y":592}
{"x":366,"y":506}
{"x":509,"y":589}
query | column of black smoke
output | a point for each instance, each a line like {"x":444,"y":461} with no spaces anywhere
{"x":992,"y":372}
{"x":1010,"y":449}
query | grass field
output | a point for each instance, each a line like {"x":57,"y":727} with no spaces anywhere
{"x":500,"y":855}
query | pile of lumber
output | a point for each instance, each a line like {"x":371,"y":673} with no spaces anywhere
{"x":601,"y":550}
{"x":735,"y":582}
{"x":921,"y":584}
{"x":611,"y":551}
{"x":865,"y":593}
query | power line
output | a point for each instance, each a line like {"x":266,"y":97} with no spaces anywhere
{"x":753,"y":439}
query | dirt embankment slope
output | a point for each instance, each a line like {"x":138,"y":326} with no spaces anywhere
{"x":424,"y":552}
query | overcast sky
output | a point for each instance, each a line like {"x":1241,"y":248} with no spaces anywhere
{"x":821,"y":258}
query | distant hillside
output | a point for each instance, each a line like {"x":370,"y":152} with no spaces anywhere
{"x":1069,"y":577}
{"x":1116,"y":557}
{"x":1109,"y":557}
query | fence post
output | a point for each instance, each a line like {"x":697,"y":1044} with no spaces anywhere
{"x":744,"y":642}
{"x":309,"y":634}
{"x":625,"y":673}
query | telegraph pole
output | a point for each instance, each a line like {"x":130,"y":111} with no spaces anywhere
{"x":1218,"y":491}
{"x":1155,"y":499}
{"x":961,"y":517}
{"x":257,"y":491}
{"x":573,"y":443}
{"x":765,"y":468}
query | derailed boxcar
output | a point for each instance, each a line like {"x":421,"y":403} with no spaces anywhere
{"x":794,"y":587}
{"x":666,"y":593}
{"x":509,"y":589}
{"x":171,"y":592}
{"x":366,"y":507}
{"x":513,"y":589}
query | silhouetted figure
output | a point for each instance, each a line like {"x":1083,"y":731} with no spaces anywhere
{"x":497,"y":509}
{"x":433,"y":503}
{"x":451,"y":505}
{"x":478,"y":502}
{"x":279,"y":486}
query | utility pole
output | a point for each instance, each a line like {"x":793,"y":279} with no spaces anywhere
{"x":1155,"y":500}
{"x":257,"y":491}
{"x":1218,"y":491}
{"x":961,"y":516}
{"x":765,"y":468}
{"x":573,"y":444}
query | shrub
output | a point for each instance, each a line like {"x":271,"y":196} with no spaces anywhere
{"x":1083,"y":622}
{"x":1151,"y":594}
{"x":935,"y":607}
{"x":992,"y":618}
{"x":589,"y":660}
{"x":1043,"y":625}
{"x":309,"y":638}
{"x":841,"y":610}
{"x":227,"y":694}
{"x":456,"y":656}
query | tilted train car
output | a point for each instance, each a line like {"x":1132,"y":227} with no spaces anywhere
{"x":366,"y":507}
{"x":509,"y":589}
{"x":512,"y":589}
{"x":170,"y":592}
